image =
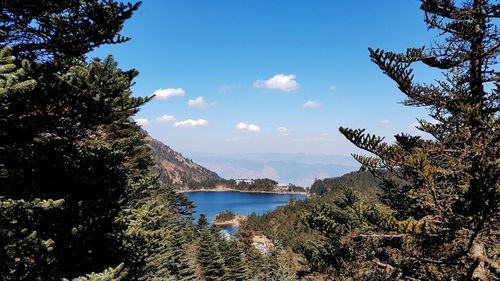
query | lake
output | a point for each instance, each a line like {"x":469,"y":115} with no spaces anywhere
{"x":242,"y":203}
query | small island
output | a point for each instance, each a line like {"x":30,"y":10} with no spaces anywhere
{"x":228,"y":218}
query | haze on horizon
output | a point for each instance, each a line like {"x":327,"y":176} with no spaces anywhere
{"x":268,"y":76}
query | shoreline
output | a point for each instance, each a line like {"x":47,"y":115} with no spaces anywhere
{"x":242,"y":191}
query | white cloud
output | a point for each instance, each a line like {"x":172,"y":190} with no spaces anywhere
{"x":311,"y":104}
{"x":282,"y":131}
{"x":191,"y":123}
{"x":241,"y":126}
{"x":332,"y":88}
{"x":197,"y":102}
{"x":163,"y":94}
{"x":280,"y":82}
{"x":248,"y":127}
{"x":385,"y":121}
{"x":142,"y":121}
{"x":165,"y":119}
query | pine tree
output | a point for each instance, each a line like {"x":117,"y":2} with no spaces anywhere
{"x":156,"y":235}
{"x":60,"y":31}
{"x":271,"y":267}
{"x":177,"y":261}
{"x":58,"y":137}
{"x":67,"y":151}
{"x":441,"y":195}
{"x":25,"y":251}
{"x":202,"y":222}
{"x":68,"y":133}
{"x":209,"y":255}
{"x":236,"y":267}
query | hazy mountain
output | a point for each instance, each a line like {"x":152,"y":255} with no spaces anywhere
{"x":174,"y":168}
{"x":297,"y":168}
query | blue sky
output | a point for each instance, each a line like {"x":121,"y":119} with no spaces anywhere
{"x":273,"y":75}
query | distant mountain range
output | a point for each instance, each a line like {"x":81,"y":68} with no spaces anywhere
{"x":297,"y":168}
{"x":175,"y":169}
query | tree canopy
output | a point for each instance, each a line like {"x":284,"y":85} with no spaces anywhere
{"x":64,"y":29}
{"x":440,"y":214}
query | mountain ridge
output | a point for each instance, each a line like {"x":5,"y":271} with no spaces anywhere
{"x":302,"y":169}
{"x":176,"y":170}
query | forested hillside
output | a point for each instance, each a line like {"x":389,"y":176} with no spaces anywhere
{"x":360,"y":181}
{"x":288,"y":228}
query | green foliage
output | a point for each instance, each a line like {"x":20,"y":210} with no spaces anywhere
{"x":114,"y":211}
{"x":360,"y":181}
{"x":234,"y":260}
{"x":441,"y":196}
{"x":209,"y":255}
{"x":177,"y":262}
{"x":295,"y":188}
{"x":61,"y":30}
{"x":258,"y":185}
{"x":66,"y":132}
{"x":167,"y":257}
{"x":12,"y":78}
{"x":111,"y":274}
{"x":63,"y":134}
{"x":202,"y":223}
{"x":220,"y":258}
{"x":156,"y":233}
{"x":27,"y":252}
{"x":263,"y":184}
{"x":271,"y":269}
{"x":255,"y":185}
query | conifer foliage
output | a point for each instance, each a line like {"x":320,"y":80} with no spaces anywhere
{"x":209,"y":254}
{"x":59,"y":30}
{"x":11,"y":78}
{"x":69,"y":151}
{"x":441,"y":195}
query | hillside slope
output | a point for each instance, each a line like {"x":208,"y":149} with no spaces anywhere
{"x":175,"y":169}
{"x":287,"y":226}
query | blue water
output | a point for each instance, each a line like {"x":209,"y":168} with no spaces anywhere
{"x":212,"y":203}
